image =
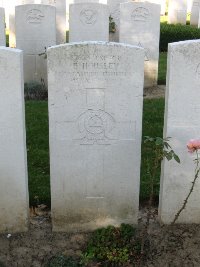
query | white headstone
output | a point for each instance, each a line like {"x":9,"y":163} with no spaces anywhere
{"x":95,"y":113}
{"x":194,"y":18}
{"x":177,"y":11}
{"x":162,"y":4}
{"x":6,"y":5}
{"x":182,"y":123}
{"x":88,"y":22}
{"x":35,"y":31}
{"x":60,"y":6}
{"x":2,"y":27}
{"x":14,"y":200}
{"x":140,"y":26}
{"x":80,"y":1}
{"x":114,"y":8}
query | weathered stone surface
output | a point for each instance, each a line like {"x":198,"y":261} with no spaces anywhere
{"x":95,"y":115}
{"x":182,"y":123}
{"x":13,"y":163}
{"x":11,"y":7}
{"x":194,"y":18}
{"x":162,"y":4}
{"x":35,"y":31}
{"x":2,"y":27}
{"x":177,"y":11}
{"x":61,"y":22}
{"x":140,"y":25}
{"x":88,"y":22}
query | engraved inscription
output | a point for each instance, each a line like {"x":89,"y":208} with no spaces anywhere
{"x":94,"y":125}
{"x":88,"y":16}
{"x":34,"y":16}
{"x":140,"y":14}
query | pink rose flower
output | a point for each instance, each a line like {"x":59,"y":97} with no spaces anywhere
{"x":193,"y":145}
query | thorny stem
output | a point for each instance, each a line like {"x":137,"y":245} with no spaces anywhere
{"x":197,"y":170}
{"x":152,"y":179}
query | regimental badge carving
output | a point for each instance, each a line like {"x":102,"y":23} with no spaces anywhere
{"x":88,"y":16}
{"x":95,"y":126}
{"x":140,"y":14}
{"x":34,"y":16}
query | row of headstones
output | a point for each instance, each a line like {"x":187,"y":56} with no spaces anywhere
{"x":178,"y":9}
{"x":95,"y":128}
{"x":36,"y":29}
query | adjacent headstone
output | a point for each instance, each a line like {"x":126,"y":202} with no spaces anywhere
{"x":181,"y":124}
{"x":140,"y":26}
{"x":60,"y":6}
{"x":14,"y":201}
{"x":79,"y":1}
{"x":162,"y":4}
{"x":88,"y":22}
{"x":6,"y":5}
{"x":194,"y":18}
{"x":114,"y":8}
{"x":177,"y":11}
{"x":35,"y":32}
{"x":95,"y":115}
{"x":2,"y":27}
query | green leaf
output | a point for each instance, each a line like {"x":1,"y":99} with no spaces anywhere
{"x":168,"y":156}
{"x":177,"y":159}
{"x":159,"y":141}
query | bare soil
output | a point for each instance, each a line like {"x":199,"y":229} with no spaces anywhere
{"x":154,"y":92}
{"x":177,"y":246}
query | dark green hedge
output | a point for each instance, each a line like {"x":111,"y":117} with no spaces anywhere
{"x":175,"y":33}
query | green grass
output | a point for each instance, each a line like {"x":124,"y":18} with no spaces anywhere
{"x":38,"y":146}
{"x":162,"y":69}
{"x":153,"y":118}
{"x":38,"y":151}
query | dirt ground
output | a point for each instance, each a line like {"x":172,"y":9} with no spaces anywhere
{"x":177,"y":246}
{"x":154,"y":92}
